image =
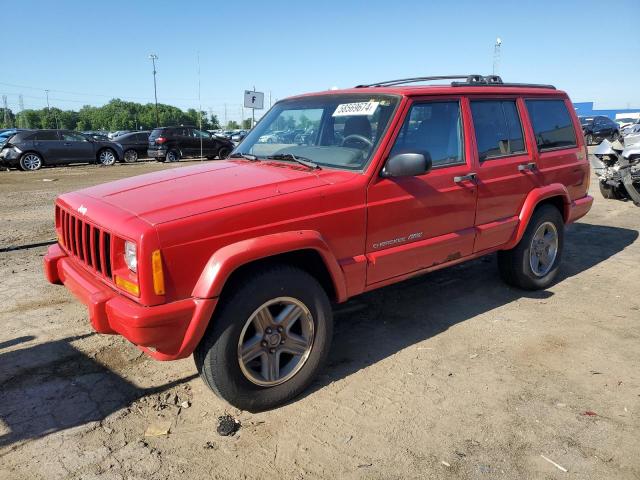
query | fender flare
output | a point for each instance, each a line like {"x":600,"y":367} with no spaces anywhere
{"x":534,"y":198}
{"x":230,"y":257}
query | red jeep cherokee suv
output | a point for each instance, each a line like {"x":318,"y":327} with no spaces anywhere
{"x":332,"y":194}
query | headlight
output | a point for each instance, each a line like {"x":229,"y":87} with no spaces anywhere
{"x":130,"y":256}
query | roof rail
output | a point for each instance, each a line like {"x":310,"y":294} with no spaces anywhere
{"x":402,"y":81}
{"x":468,"y":80}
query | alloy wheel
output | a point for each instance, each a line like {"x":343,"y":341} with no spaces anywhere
{"x":107,"y":158}
{"x":31,"y":161}
{"x":276,"y":341}
{"x":544,"y":249}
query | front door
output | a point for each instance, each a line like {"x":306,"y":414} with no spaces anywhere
{"x":418,"y":222}
{"x":76,"y":148}
{"x":507,"y":171}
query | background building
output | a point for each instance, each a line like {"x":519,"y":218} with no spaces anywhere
{"x":586,"y":109}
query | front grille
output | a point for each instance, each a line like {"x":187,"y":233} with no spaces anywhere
{"x":88,"y":243}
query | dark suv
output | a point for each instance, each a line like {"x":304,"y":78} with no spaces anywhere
{"x":172,"y":143}
{"x":598,"y":128}
{"x":31,"y":149}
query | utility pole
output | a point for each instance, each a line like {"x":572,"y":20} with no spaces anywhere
{"x":199,"y":106}
{"x":253,"y":112}
{"x":49,"y":109}
{"x":225,"y":117}
{"x":153,"y":57}
{"x":496,"y":55}
{"x":5,"y":109}
{"x":21,"y":105}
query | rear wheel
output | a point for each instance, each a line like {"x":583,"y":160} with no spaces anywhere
{"x":267,"y":340}
{"x":107,"y":157}
{"x":130,"y":156}
{"x":30,"y":162}
{"x":172,"y":156}
{"x":533,"y":264}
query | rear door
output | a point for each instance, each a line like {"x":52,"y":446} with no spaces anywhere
{"x":49,"y":144}
{"x":506,"y":167}
{"x":418,"y":222}
{"x":204,"y":140}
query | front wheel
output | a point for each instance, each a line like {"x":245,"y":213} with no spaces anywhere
{"x":130,"y":156}
{"x":268,"y":339}
{"x":533,"y":264}
{"x":224,"y":152}
{"x":107,"y":157}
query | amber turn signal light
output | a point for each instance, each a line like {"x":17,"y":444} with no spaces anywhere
{"x":158,"y":274}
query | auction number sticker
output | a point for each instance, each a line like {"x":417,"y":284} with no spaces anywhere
{"x":359,"y":108}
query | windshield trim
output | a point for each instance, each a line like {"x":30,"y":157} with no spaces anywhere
{"x":397,"y":98}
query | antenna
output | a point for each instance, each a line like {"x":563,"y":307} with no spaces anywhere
{"x":199,"y":107}
{"x":496,"y":55}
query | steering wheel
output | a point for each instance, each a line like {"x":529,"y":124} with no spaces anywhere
{"x":360,"y":138}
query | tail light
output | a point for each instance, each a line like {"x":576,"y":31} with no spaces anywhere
{"x":160,"y":140}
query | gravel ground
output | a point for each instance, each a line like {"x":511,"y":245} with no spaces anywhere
{"x":449,"y":376}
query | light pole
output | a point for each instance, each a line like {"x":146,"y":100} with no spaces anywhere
{"x":153,"y":58}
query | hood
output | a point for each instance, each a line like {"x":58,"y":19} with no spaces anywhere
{"x":172,"y":194}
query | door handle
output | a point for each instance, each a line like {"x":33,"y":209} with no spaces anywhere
{"x":470,"y":177}
{"x":531,"y":166}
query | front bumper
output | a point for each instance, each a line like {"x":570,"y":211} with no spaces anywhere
{"x":166,"y":332}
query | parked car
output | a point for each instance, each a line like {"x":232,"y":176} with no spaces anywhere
{"x":173,"y":143}
{"x":239,"y":136}
{"x":134,"y":145}
{"x":631,"y":128}
{"x":117,"y":133}
{"x":597,"y":128}
{"x":625,"y":122}
{"x":30,"y":150}
{"x":238,"y":261}
{"x":97,"y":136}
{"x":7,"y":133}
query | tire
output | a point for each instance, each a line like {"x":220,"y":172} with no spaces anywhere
{"x":30,"y":162}
{"x":589,"y":139}
{"x":223,"y":152}
{"x":107,"y":157}
{"x":217,"y":356}
{"x":172,"y":156}
{"x":130,"y":156}
{"x":517,"y":265}
{"x":610,"y":192}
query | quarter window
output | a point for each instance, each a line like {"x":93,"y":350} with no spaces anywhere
{"x":433,"y":129}
{"x":551,"y":124}
{"x":498,"y":128}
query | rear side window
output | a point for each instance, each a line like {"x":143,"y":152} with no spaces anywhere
{"x":498,"y":128}
{"x":551,"y":124}
{"x":157,"y":132}
{"x":433,"y":129}
{"x":46,"y":135}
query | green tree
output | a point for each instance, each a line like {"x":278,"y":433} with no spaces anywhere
{"x":246,"y":123}
{"x":232,"y":125}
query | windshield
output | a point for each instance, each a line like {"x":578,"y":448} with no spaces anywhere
{"x":585,"y":120}
{"x":340,"y":131}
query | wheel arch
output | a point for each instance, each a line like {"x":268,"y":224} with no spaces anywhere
{"x":555,"y":194}
{"x":305,"y":249}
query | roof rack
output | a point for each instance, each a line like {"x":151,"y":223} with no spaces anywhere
{"x":469,"y":80}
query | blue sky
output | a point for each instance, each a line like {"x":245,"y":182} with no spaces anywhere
{"x":88,"y":52}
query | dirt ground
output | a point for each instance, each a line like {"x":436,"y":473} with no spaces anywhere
{"x":449,"y":376}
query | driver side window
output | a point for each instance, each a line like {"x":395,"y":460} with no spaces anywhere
{"x":434,"y":129}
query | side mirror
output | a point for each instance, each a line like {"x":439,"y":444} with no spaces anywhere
{"x":407,"y":165}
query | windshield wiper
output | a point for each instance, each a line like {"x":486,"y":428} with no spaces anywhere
{"x":247,"y":156}
{"x":301,"y":160}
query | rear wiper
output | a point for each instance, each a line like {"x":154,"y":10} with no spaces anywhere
{"x":290,"y":156}
{"x":247,"y":156}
